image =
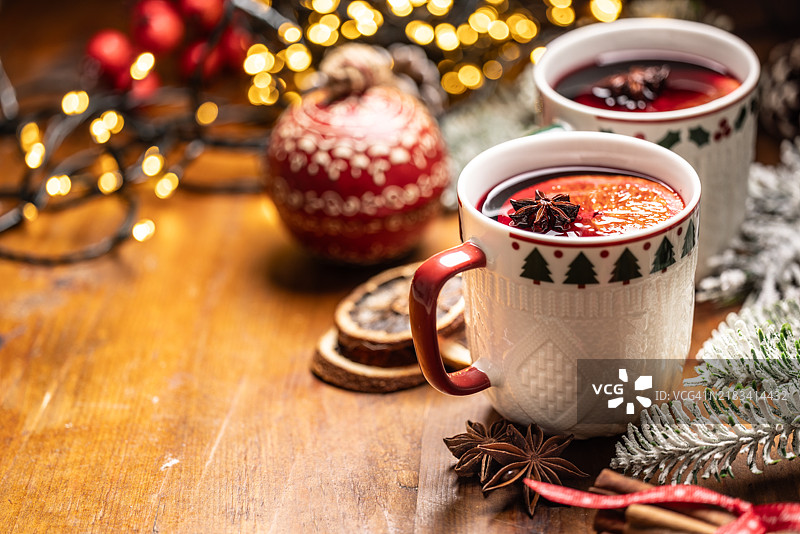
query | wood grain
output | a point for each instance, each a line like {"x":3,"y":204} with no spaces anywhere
{"x":166,"y":387}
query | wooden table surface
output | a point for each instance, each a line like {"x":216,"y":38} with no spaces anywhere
{"x":166,"y":387}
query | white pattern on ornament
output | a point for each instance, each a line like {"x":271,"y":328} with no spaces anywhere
{"x":394,"y":197}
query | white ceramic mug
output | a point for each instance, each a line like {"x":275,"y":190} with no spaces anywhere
{"x":527,"y":335}
{"x":717,"y":138}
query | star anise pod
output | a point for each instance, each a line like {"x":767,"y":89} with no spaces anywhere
{"x":542,"y":214}
{"x":634,"y":88}
{"x":466,"y":447}
{"x":529,"y":456}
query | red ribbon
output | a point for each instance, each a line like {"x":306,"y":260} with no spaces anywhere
{"x":752,"y":519}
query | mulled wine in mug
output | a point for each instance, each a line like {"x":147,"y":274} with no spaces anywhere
{"x":576,"y":247}
{"x":686,"y":86}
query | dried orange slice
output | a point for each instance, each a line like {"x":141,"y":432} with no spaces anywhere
{"x":373,"y":322}
{"x":370,"y":347}
{"x":330,"y":365}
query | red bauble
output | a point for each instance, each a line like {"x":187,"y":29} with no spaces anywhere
{"x":234,"y":44}
{"x":205,"y":13}
{"x":157,"y":26}
{"x":357,"y":180}
{"x":194,"y":54}
{"x":112,"y":50}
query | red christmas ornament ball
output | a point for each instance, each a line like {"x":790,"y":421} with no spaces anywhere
{"x":206,"y":13}
{"x":112,"y":50}
{"x":157,"y":26}
{"x":357,"y":179}
{"x":234,"y":44}
{"x":194,"y":54}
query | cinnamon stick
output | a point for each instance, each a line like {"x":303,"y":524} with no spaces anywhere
{"x":631,"y":529}
{"x":602,"y":491}
{"x":611,"y":481}
{"x":654,"y":516}
{"x":617,"y":522}
{"x":611,"y":521}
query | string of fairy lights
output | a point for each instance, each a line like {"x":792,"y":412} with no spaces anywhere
{"x":118,"y":147}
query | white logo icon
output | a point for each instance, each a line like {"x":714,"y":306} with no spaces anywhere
{"x":642,"y":383}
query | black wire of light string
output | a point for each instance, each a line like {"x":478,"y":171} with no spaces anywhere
{"x":27,"y":193}
{"x":37,"y":195}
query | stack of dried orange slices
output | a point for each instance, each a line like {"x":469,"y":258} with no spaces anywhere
{"x":370,"y":347}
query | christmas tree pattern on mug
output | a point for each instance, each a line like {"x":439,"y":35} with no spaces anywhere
{"x":626,"y":268}
{"x":581,"y":271}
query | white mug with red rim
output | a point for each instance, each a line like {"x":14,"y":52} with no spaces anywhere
{"x":717,"y":138}
{"x":528,"y":328}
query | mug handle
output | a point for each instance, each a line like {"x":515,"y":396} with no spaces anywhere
{"x":428,"y":281}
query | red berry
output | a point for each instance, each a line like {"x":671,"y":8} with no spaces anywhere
{"x":234,"y":44}
{"x":194,"y":54}
{"x":206,"y":13}
{"x":145,"y":88}
{"x":122,"y":80}
{"x":112,"y":50}
{"x":157,"y":26}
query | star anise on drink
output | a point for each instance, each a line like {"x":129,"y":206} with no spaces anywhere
{"x":632,"y":89}
{"x":529,"y":456}
{"x":542,"y":214}
{"x":466,"y":447}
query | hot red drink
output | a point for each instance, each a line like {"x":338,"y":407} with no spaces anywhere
{"x":606,"y":201}
{"x":622,"y":83}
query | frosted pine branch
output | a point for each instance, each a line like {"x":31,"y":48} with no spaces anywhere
{"x":748,"y":349}
{"x":682,"y":442}
{"x":752,"y":403}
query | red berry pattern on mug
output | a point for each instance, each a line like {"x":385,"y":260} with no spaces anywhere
{"x":723,"y":131}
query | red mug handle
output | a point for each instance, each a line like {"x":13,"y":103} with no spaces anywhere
{"x":428,"y":281}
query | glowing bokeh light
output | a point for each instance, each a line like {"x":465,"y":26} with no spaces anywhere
{"x":166,"y":185}
{"x":29,"y":134}
{"x":536,"y":53}
{"x":561,"y":16}
{"x":30,"y":211}
{"x":606,"y":10}
{"x":152,"y":164}
{"x":35,"y":156}
{"x":492,"y":69}
{"x":109,"y":181}
{"x":420,"y":32}
{"x":75,"y":102}
{"x":207,"y":112}
{"x":446,"y":37}
{"x":143,"y":230}
{"x":470,"y":76}
{"x":142,"y":65}
{"x":298,"y":58}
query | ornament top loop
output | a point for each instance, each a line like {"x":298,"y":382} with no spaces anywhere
{"x":354,"y":68}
